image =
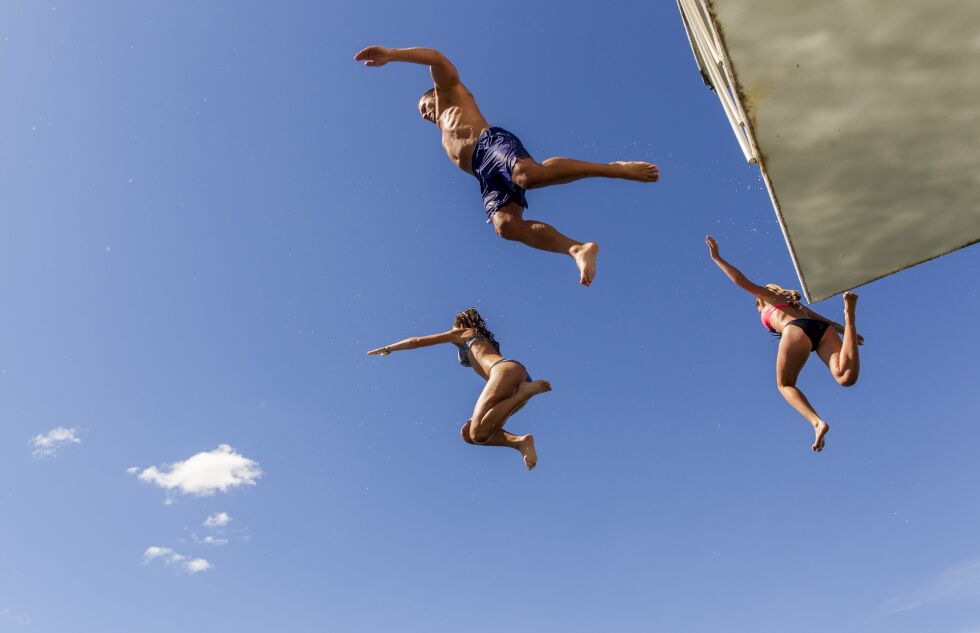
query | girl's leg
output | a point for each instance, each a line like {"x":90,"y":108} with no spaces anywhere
{"x":843,"y":359}
{"x":522,"y":443}
{"x":494,"y":407}
{"x":494,"y":416}
{"x":794,"y":349}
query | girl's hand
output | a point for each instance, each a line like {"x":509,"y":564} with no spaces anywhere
{"x":381,"y":351}
{"x":712,"y":246}
{"x":860,"y":339}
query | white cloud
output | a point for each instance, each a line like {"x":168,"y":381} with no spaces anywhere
{"x":209,"y":540}
{"x":132,"y":470}
{"x":958,"y":583}
{"x":196,"y":565}
{"x":168,"y":555}
{"x":49,"y":443}
{"x":205,"y":473}
{"x":217,"y":520}
{"x":171,"y":558}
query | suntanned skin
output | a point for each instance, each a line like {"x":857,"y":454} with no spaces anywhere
{"x":506,"y":391}
{"x":841,"y":358}
{"x":453,"y":109}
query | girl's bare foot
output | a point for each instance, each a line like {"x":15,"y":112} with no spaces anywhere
{"x":534,"y":387}
{"x":820,"y":430}
{"x":585,"y":256}
{"x":850,"y":302}
{"x":638,"y":171}
{"x":527,"y":450}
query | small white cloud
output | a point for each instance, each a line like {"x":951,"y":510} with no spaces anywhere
{"x":132,"y":470}
{"x":217,"y":520}
{"x":49,"y":443}
{"x":205,"y":473}
{"x":196,"y":565}
{"x":164,"y":553}
{"x":209,"y":540}
{"x":171,"y":558}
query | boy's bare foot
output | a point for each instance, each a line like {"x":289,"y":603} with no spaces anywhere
{"x":638,"y":171}
{"x":585,"y":256}
{"x":527,"y":450}
{"x":820,"y":430}
{"x":850,"y":302}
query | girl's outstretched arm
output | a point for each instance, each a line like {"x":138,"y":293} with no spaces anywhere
{"x":416,"y":342}
{"x":736,"y":275}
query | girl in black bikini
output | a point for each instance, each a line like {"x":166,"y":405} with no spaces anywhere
{"x":811,"y":333}
{"x":508,"y":387}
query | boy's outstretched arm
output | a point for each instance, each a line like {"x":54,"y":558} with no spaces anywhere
{"x":444,"y":74}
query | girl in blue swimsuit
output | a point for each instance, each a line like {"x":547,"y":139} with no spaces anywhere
{"x":508,"y":387}
{"x":801,"y":332}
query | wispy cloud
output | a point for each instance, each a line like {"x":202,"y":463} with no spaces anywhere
{"x":171,"y":558}
{"x":17,"y":618}
{"x":217,"y":520}
{"x":205,"y":473}
{"x":958,"y":583}
{"x":216,"y":523}
{"x":48,"y":444}
{"x":209,"y":540}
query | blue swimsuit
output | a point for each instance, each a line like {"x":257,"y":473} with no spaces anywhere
{"x":463,"y":355}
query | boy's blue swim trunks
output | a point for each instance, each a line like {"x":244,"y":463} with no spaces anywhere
{"x":493,"y":162}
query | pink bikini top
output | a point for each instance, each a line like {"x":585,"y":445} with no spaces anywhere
{"x":768,"y":313}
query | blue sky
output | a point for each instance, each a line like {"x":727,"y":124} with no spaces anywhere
{"x":211,"y":213}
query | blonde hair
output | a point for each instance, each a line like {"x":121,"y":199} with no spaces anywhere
{"x":791,"y":296}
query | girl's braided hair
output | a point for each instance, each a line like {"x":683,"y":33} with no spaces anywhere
{"x":471,"y":319}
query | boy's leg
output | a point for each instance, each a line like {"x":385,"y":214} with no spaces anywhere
{"x":528,"y":174}
{"x":509,"y":223}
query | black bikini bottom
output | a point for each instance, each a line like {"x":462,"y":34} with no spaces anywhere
{"x":812,"y":328}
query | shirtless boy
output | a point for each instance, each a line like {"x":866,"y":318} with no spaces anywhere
{"x":499,"y":161}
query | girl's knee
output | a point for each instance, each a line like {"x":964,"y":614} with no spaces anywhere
{"x":464,"y":432}
{"x":479,"y":435}
{"x":847,"y":379}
